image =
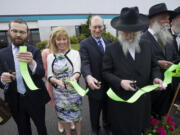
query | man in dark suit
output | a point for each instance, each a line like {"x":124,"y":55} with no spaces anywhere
{"x":127,"y":66}
{"x":160,"y":39}
{"x":23,"y":102}
{"x":175,"y":31}
{"x":92,"y":51}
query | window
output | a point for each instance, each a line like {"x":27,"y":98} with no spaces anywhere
{"x":77,"y":30}
{"x":34,"y":36}
{"x":3,"y":39}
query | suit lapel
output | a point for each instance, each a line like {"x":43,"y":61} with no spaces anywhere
{"x":9,"y":63}
{"x":153,"y":39}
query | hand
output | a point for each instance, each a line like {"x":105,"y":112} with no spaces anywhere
{"x":126,"y":85}
{"x":93,"y":83}
{"x":164,"y":64}
{"x":73,"y":78}
{"x":26,"y":57}
{"x":177,"y":107}
{"x":60,"y":83}
{"x":7,"y":77}
{"x":159,"y":81}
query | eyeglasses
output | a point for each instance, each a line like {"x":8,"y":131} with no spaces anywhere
{"x":20,"y":32}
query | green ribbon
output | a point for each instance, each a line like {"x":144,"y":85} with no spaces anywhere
{"x":25,"y":73}
{"x":79,"y":90}
{"x":167,"y":80}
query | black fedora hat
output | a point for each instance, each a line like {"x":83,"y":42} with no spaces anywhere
{"x":176,"y":13}
{"x":130,"y":20}
{"x":158,"y":9}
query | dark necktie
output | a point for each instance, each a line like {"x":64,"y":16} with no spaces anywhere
{"x":101,"y":46}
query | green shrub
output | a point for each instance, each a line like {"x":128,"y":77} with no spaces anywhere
{"x":81,"y":37}
{"x":74,"y":40}
{"x":42,"y":45}
{"x":75,"y":46}
{"x":85,"y":30}
{"x":109,"y":35}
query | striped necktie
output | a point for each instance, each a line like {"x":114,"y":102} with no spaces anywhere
{"x":101,"y":46}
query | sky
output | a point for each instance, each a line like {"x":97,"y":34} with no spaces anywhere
{"x":37,"y":7}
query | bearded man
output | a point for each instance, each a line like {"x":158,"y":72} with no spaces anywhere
{"x":128,"y":65}
{"x":175,"y":31}
{"x":23,"y":102}
{"x":161,"y":39}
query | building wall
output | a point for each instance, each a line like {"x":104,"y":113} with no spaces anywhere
{"x":46,"y":14}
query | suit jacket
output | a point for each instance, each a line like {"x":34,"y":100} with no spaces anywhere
{"x":91,"y":64}
{"x":170,"y":50}
{"x":117,"y":67}
{"x":7,"y":64}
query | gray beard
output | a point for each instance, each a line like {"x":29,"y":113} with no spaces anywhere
{"x":126,"y":45}
{"x":177,"y":29}
{"x":162,"y":33}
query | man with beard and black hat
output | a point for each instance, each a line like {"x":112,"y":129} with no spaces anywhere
{"x":175,"y":31}
{"x":23,"y":102}
{"x":160,"y":38}
{"x":128,"y":64}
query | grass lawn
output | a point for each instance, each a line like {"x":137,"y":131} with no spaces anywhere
{"x":75,"y":46}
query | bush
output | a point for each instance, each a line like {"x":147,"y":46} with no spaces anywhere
{"x":74,"y":40}
{"x":42,"y":45}
{"x":81,"y":37}
{"x":109,"y":35}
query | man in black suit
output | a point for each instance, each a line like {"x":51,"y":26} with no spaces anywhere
{"x":23,"y":102}
{"x":160,"y":39}
{"x":175,"y":28}
{"x":92,"y":51}
{"x":127,"y":66}
{"x":175,"y":31}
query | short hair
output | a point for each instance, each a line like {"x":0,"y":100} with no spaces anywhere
{"x":58,"y":31}
{"x":94,"y":16}
{"x":20,"y":21}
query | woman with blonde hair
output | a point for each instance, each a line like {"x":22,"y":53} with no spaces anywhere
{"x":64,"y":64}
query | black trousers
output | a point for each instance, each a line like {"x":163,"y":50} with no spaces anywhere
{"x":27,"y":110}
{"x":96,"y":107}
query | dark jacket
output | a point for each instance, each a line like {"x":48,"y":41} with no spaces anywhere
{"x":7,"y":64}
{"x":91,"y":63}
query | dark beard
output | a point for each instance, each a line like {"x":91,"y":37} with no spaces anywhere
{"x":18,"y":43}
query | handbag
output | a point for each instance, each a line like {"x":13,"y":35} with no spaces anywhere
{"x":5,"y":114}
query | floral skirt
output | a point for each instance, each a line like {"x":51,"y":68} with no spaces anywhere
{"x":68,"y":105}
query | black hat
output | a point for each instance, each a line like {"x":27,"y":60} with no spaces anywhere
{"x":130,"y":20}
{"x":176,"y":13}
{"x":158,"y":9}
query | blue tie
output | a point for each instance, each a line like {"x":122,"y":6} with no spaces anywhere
{"x":20,"y":84}
{"x":101,"y":46}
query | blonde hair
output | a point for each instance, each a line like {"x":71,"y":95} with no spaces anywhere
{"x":57,"y":32}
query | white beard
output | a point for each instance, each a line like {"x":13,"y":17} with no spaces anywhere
{"x":126,"y":44}
{"x":162,"y":33}
{"x":177,"y":29}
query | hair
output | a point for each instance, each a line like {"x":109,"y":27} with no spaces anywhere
{"x":20,"y":21}
{"x":95,"y":16}
{"x":57,"y":32}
